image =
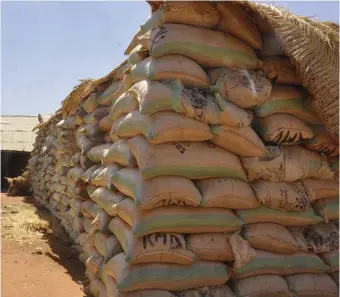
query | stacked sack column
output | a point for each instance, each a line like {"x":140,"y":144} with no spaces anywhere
{"x":165,"y":144}
{"x":96,"y":201}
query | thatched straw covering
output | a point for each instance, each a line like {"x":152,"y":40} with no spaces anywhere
{"x":313,"y":47}
{"x":88,"y":86}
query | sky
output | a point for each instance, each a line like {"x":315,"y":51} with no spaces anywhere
{"x":46,"y":47}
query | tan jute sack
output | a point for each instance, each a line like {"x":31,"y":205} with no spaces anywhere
{"x":210,"y":246}
{"x":288,"y":100}
{"x":200,"y":104}
{"x":194,"y":160}
{"x":180,"y":220}
{"x":312,"y":285}
{"x":127,"y":211}
{"x":107,"y":200}
{"x":280,"y":70}
{"x":320,"y":189}
{"x":171,"y":277}
{"x":163,"y":127}
{"x":152,"y":248}
{"x":245,"y":88}
{"x":240,"y":141}
{"x":318,"y":238}
{"x":262,"y":285}
{"x":282,"y":129}
{"x":322,"y":142}
{"x":233,"y":20}
{"x":219,"y":291}
{"x":158,"y":191}
{"x":106,"y":245}
{"x":270,"y":237}
{"x":207,"y":47}
{"x":288,"y":163}
{"x":111,"y":289}
{"x":105,"y":124}
{"x":282,"y":196}
{"x":227,"y":193}
{"x":167,"y":68}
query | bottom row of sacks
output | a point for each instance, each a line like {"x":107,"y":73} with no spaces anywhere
{"x":116,"y":276}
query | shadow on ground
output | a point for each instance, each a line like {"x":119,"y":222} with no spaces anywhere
{"x":63,"y":251}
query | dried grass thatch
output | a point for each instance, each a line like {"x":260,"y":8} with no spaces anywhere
{"x":313,"y":47}
{"x":88,"y":86}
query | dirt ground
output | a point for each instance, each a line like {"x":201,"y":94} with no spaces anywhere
{"x":37,"y":257}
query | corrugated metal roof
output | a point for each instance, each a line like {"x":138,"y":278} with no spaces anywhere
{"x":16,"y":132}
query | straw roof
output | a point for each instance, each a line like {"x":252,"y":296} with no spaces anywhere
{"x":88,"y":86}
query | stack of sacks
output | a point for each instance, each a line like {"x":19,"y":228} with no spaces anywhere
{"x":193,"y":100}
{"x":43,"y":161}
{"x":202,"y":170}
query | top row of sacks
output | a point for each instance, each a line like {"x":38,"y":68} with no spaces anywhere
{"x":186,"y":26}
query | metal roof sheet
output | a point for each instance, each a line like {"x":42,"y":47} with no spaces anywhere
{"x":16,"y":132}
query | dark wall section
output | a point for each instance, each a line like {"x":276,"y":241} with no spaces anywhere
{"x":12,"y":165}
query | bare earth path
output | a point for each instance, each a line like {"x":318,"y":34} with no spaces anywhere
{"x":36,"y":257}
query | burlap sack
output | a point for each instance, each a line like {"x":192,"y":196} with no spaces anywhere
{"x":219,"y":291}
{"x":75,"y":173}
{"x":111,"y":289}
{"x":75,"y":159}
{"x":282,"y":196}
{"x":322,"y":142}
{"x":101,"y":221}
{"x":152,"y":248}
{"x":320,"y":189}
{"x":97,"y":153}
{"x":271,"y":45}
{"x":85,"y":144}
{"x":281,"y":264}
{"x":210,"y":246}
{"x":282,"y":129}
{"x":138,"y":54}
{"x":318,"y":238}
{"x":335,"y":277}
{"x":107,"y":97}
{"x":158,"y":191}
{"x":280,"y":70}
{"x":262,"y":285}
{"x":288,"y":100}
{"x":163,"y":127}
{"x":312,"y":285}
{"x":236,"y":22}
{"x":86,"y":176}
{"x":107,"y":200}
{"x":167,"y":68}
{"x":89,"y":209}
{"x":327,"y":208}
{"x":286,"y":218}
{"x":67,"y":123}
{"x":107,"y":245}
{"x":194,"y":160}
{"x":227,"y":193}
{"x":96,"y":115}
{"x":120,"y":153}
{"x":105,"y":124}
{"x":245,"y":88}
{"x":289,"y":163}
{"x":102,"y":177}
{"x":125,"y":104}
{"x":199,"y":14}
{"x":97,"y":288}
{"x":241,"y":141}
{"x":171,"y":277}
{"x":93,"y":131}
{"x":127,"y":211}
{"x":200,"y":104}
{"x":207,"y":47}
{"x":331,"y":259}
{"x":270,"y":237}
{"x":180,"y":220}
{"x":90,"y":104}
{"x":78,"y":225}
